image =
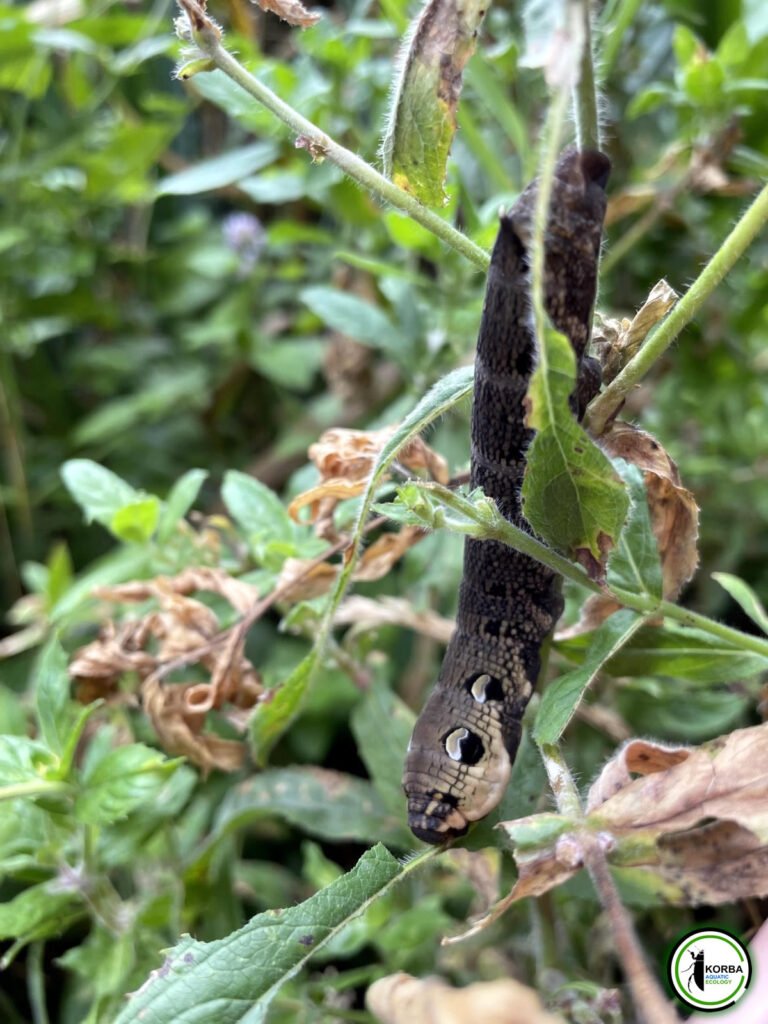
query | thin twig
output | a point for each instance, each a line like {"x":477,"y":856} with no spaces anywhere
{"x":650,"y":1003}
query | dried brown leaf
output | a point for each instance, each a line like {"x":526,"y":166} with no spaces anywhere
{"x":184,"y":630}
{"x":691,"y":829}
{"x":364,"y":613}
{"x":303,"y":579}
{"x":291,"y":11}
{"x":345,"y":459}
{"x":617,"y":341}
{"x":378,"y":558}
{"x":673,"y":509}
{"x":402,"y":999}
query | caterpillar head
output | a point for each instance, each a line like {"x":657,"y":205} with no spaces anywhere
{"x":459,"y":758}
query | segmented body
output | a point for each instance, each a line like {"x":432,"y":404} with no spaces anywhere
{"x":465,"y":740}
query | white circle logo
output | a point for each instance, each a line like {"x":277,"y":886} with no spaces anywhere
{"x":709,"y":969}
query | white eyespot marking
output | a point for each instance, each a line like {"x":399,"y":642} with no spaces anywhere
{"x":478,"y":688}
{"x":453,"y":743}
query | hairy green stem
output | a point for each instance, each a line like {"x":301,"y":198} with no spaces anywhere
{"x":496,"y":527}
{"x":349,"y":162}
{"x":745,"y":231}
{"x":561,"y":782}
{"x":585,"y":112}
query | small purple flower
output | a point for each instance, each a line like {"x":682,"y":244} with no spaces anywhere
{"x":245,"y":235}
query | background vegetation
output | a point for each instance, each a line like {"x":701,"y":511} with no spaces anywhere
{"x":184,"y":289}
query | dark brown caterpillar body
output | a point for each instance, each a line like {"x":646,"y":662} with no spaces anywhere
{"x":461,"y":752}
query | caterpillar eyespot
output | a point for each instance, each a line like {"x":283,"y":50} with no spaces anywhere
{"x":508,"y":603}
{"x":484,"y":687}
{"x":464,"y":746}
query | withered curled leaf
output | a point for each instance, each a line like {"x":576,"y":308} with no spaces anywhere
{"x":345,"y":459}
{"x":180,"y":629}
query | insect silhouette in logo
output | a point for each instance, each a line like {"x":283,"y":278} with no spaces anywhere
{"x":696,"y":969}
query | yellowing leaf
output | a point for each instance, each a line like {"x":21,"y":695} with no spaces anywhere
{"x":422,"y":119}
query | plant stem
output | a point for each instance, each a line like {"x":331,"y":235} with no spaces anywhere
{"x":496,"y":527}
{"x":651,"y":1005}
{"x":38,"y":787}
{"x":561,"y":782}
{"x":745,"y":231}
{"x":349,"y":162}
{"x":648,"y":997}
{"x":585,"y":94}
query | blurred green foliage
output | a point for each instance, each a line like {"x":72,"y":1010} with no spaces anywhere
{"x":188,"y":301}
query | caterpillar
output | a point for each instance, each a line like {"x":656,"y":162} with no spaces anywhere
{"x":465,"y":739}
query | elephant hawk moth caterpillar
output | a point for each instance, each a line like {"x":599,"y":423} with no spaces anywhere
{"x":465,"y":739}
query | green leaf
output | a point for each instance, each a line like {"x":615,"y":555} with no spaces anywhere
{"x":351,"y":315}
{"x":671,"y":709}
{"x":219,"y":171}
{"x":135,"y":523}
{"x":329,"y":804}
{"x":562,"y":697}
{"x":113,"y":785}
{"x":635,"y":564}
{"x":272,"y":717}
{"x":52,"y":695}
{"x":678,"y":651}
{"x":38,"y":911}
{"x":181,"y":499}
{"x":382,"y":725}
{"x":422,"y":118}
{"x":744,"y":596}
{"x":22,"y":760}
{"x":234,"y":980}
{"x":572,"y":496}
{"x":257,"y":510}
{"x":97,"y":490}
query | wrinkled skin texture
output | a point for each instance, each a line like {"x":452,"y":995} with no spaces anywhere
{"x":465,"y":740}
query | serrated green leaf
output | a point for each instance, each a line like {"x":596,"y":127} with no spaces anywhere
{"x":422,"y":118}
{"x":355,"y":317}
{"x":52,"y":695}
{"x":744,"y":596}
{"x":234,"y":980}
{"x":382,"y":725}
{"x":219,"y":171}
{"x":115,"y":784}
{"x":572,"y":496}
{"x":562,"y":697}
{"x":272,"y":717}
{"x":97,"y":490}
{"x":329,"y":804}
{"x":183,"y":495}
{"x":135,"y":523}
{"x":635,"y":564}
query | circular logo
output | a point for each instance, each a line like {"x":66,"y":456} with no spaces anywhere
{"x":709,"y":969}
